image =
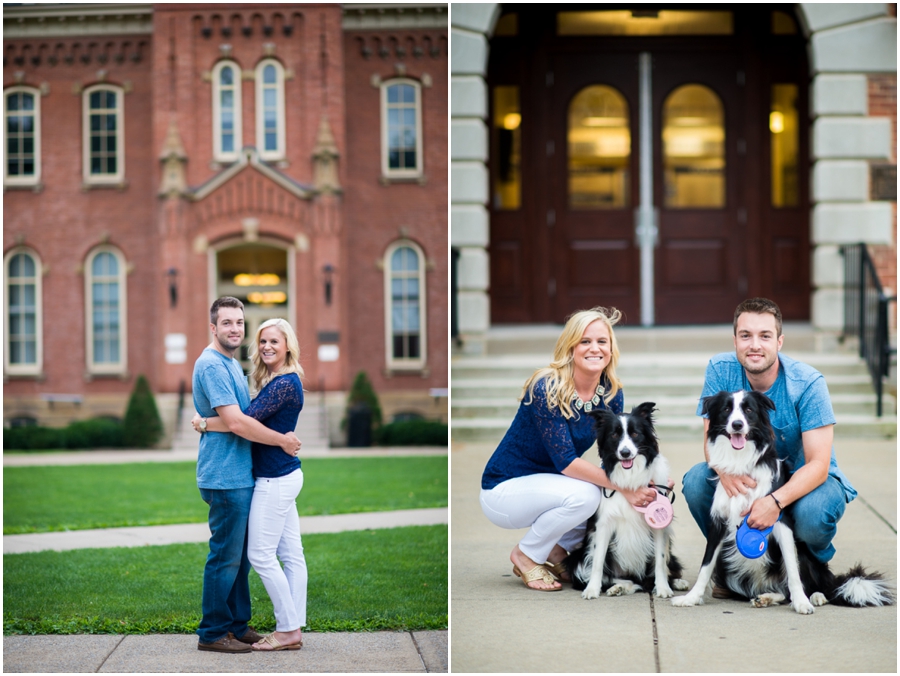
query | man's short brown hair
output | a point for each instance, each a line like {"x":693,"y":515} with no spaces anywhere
{"x":759,"y":306}
{"x":224,"y":301}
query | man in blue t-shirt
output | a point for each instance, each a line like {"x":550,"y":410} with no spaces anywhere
{"x":225,"y":479}
{"x":804,"y":433}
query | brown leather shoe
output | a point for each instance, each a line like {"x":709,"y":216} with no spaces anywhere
{"x":250,"y":637}
{"x":226,"y":644}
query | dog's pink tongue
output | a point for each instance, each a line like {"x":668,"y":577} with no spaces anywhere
{"x":737,"y":441}
{"x":626,"y":464}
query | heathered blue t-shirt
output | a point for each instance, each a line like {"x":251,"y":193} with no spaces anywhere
{"x":542,"y":440}
{"x":802,"y":403}
{"x":224,"y":461}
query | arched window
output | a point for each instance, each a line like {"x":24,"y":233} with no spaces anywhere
{"x":103,"y":134}
{"x":22,"y":136}
{"x":693,"y":135}
{"x":227,"y":141}
{"x":22,"y":299}
{"x":404,"y":291}
{"x":599,"y":140}
{"x":401,"y":128}
{"x":105,"y":295}
{"x":270,"y":109}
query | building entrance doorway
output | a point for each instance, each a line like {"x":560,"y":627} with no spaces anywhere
{"x":723,"y":177}
{"x":257,"y":275}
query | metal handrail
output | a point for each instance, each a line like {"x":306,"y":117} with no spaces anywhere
{"x":866,"y":315}
{"x":454,"y":292}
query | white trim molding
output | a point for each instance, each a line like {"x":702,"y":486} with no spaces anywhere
{"x":227,"y":142}
{"x":33,"y":278}
{"x":113,"y":303}
{"x":23,"y":135}
{"x":397,"y":116}
{"x":96,"y":135}
{"x":410,"y":309}
{"x":269,"y":105}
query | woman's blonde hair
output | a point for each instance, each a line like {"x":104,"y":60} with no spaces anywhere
{"x":559,"y":376}
{"x":260,"y":376}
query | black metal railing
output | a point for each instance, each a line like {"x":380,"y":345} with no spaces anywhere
{"x":454,"y":292}
{"x":866,"y":314}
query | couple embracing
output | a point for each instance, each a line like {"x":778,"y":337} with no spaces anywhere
{"x":248,"y":472}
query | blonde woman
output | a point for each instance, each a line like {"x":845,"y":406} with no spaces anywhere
{"x":274,"y":527}
{"x":536,"y":478}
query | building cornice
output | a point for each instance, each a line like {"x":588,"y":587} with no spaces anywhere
{"x":75,"y":20}
{"x":394,"y":16}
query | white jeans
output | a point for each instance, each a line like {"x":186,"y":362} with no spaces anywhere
{"x":274,"y":529}
{"x":554,"y":507}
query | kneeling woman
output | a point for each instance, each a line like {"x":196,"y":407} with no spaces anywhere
{"x":537,"y":478}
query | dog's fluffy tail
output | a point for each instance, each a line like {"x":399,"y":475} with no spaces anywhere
{"x":859,"y":588}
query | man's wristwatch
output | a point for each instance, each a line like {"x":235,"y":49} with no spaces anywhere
{"x":202,"y":425}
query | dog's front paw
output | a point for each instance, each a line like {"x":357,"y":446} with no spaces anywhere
{"x":591,"y":593}
{"x":818,"y":599}
{"x":803,"y":606}
{"x":687,"y":601}
{"x":663,"y":593}
{"x":680,"y":585}
{"x":766,"y":600}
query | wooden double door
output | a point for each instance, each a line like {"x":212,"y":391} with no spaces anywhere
{"x":721,"y":237}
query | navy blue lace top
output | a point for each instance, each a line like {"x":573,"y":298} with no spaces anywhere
{"x":277,"y":406}
{"x":542,"y":441}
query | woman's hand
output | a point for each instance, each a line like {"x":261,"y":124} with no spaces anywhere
{"x":195,"y":422}
{"x":641,"y":497}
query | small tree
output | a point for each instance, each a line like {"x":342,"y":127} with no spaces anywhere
{"x":362,"y":392}
{"x":143,"y":426}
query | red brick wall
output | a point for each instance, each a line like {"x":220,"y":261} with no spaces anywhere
{"x":376,"y":213}
{"x":883,"y":103}
{"x":63,"y":223}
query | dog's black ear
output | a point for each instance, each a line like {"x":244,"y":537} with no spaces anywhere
{"x":762,"y":399}
{"x":709,"y":401}
{"x":644,"y":410}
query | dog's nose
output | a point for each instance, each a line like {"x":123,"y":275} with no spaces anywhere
{"x":737,"y":425}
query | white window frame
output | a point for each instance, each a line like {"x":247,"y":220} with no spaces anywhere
{"x":385,"y":141}
{"x":219,"y":154}
{"x":400,"y":363}
{"x":279,"y":151}
{"x":103,"y":179}
{"x":36,"y":177}
{"x":24,"y":369}
{"x":106,"y":368}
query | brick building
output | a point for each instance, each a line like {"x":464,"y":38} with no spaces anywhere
{"x":159,"y":156}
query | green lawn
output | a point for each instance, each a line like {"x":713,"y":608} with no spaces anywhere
{"x":39,"y":499}
{"x":358,"y":581}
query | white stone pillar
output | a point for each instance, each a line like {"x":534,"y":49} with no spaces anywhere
{"x":471,"y":26}
{"x":846,"y":42}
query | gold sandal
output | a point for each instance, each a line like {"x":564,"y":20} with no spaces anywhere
{"x":269,"y":639}
{"x":558,"y":570}
{"x":537,"y":573}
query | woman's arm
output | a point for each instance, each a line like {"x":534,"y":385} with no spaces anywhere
{"x":582,"y":469}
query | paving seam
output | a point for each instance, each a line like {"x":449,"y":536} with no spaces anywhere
{"x":876,"y":513}
{"x":412,"y":636}
{"x":105,"y":659}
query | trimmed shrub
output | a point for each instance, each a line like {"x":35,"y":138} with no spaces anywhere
{"x":413,"y":433}
{"x":362,"y":392}
{"x":95,"y":433}
{"x":33,"y":438}
{"x":143,"y":426}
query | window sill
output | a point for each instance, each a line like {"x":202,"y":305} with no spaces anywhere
{"x":400,"y":370}
{"x":37,"y":376}
{"x":120,"y":185}
{"x":30,"y":187}
{"x":122,"y":375}
{"x":420,"y":179}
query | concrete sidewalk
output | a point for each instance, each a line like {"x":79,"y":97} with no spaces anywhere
{"x":385,"y":652}
{"x":500,"y":626}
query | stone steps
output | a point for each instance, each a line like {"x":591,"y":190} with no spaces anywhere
{"x":665,"y":365}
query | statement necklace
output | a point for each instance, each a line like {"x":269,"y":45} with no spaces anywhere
{"x":589,"y":405}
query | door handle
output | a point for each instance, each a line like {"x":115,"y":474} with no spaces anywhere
{"x":646,"y":227}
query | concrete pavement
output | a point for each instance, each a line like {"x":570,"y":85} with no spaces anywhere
{"x":498,"y":625}
{"x":385,"y":652}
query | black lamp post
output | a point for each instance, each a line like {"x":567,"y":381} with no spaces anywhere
{"x":328,"y":271}
{"x":172,"y":274}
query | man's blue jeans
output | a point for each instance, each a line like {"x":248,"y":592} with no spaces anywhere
{"x":226,"y":588}
{"x":816,"y":514}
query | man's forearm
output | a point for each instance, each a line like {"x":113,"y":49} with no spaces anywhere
{"x":253,"y":430}
{"x":802,"y":482}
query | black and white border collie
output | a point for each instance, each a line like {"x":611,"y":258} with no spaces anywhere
{"x":621,"y":551}
{"x":741,"y":441}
